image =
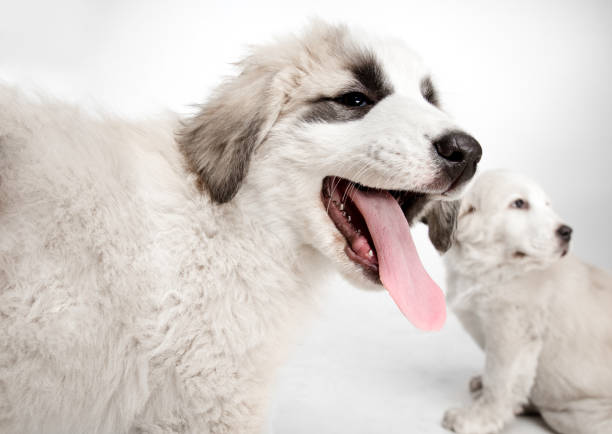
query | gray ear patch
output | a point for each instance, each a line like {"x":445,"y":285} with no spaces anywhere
{"x":219,"y":141}
{"x":442,"y":221}
{"x":221,"y":162}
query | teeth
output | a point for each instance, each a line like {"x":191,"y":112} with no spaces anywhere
{"x":342,"y":207}
{"x":359,"y":231}
{"x":349,"y":218}
{"x":370,"y":253}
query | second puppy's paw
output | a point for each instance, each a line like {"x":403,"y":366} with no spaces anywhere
{"x":472,"y":420}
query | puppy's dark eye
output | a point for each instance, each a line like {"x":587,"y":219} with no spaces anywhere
{"x":353,"y":99}
{"x":519,"y":204}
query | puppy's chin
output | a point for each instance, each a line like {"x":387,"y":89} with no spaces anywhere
{"x":526,"y":261}
{"x":360,"y":279}
{"x":336,"y":259}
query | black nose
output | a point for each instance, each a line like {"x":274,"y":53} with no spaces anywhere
{"x":565,"y":233}
{"x":461,"y":154}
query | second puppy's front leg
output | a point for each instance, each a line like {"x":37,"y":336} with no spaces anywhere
{"x":475,"y":388}
{"x":512,"y":347}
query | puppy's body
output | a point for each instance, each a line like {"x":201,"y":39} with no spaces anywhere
{"x":148,"y":284}
{"x":543,"y":320}
{"x":124,"y":301}
{"x":547,"y":338}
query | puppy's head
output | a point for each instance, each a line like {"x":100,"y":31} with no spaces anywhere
{"x":505,"y":220}
{"x":341,"y":139}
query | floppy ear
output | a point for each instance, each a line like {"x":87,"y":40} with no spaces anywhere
{"x":218,"y":142}
{"x":441,"y":217}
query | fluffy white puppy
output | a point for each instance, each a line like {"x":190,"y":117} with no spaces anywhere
{"x":148,"y":281}
{"x":543,"y":318}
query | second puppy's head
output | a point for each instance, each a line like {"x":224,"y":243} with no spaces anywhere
{"x":504,"y":221}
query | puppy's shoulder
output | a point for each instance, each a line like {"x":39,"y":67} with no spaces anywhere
{"x":599,"y":279}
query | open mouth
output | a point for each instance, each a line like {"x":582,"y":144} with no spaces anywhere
{"x":336,"y":195}
{"x":375,"y":225}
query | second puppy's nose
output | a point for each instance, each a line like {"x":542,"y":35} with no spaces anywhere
{"x":564,"y":232}
{"x":460,"y":153}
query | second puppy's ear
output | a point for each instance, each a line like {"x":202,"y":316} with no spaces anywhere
{"x":441,"y":217}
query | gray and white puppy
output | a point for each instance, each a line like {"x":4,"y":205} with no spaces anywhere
{"x":543,"y":318}
{"x":153,"y":273}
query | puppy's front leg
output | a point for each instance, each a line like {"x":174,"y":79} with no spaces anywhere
{"x":512,"y":345}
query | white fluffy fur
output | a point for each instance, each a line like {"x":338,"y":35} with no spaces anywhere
{"x":132,"y":302}
{"x":543,"y":320}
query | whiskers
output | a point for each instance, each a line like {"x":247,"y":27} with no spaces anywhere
{"x":351,"y":185}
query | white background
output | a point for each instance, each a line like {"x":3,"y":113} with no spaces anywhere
{"x":530,"y":80}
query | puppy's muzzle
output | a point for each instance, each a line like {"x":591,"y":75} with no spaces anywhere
{"x":460,"y":154}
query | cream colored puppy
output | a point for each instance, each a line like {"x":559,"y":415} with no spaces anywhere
{"x":152,"y":273}
{"x":543,"y":318}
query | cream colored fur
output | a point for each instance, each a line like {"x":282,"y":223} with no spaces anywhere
{"x":149,"y":285}
{"x":543,"y":320}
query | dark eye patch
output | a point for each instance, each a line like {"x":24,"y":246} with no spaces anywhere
{"x":429,"y":92}
{"x":369,"y":87}
{"x":346,"y":107}
{"x":369,"y":72}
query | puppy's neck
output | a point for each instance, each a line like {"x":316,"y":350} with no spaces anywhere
{"x":476,"y":265}
{"x":265,"y":231}
{"x":470,"y":278}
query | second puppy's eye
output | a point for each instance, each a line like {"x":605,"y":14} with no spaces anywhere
{"x":353,"y":99}
{"x":519,"y":204}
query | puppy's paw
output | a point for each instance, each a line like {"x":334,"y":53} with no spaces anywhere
{"x":471,"y":420}
{"x":518,"y":410}
{"x":526,"y":409}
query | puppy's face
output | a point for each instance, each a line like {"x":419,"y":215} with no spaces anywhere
{"x":346,"y":143}
{"x":506,"y":220}
{"x":365,"y":117}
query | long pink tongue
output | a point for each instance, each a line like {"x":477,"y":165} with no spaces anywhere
{"x":401,"y":271}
